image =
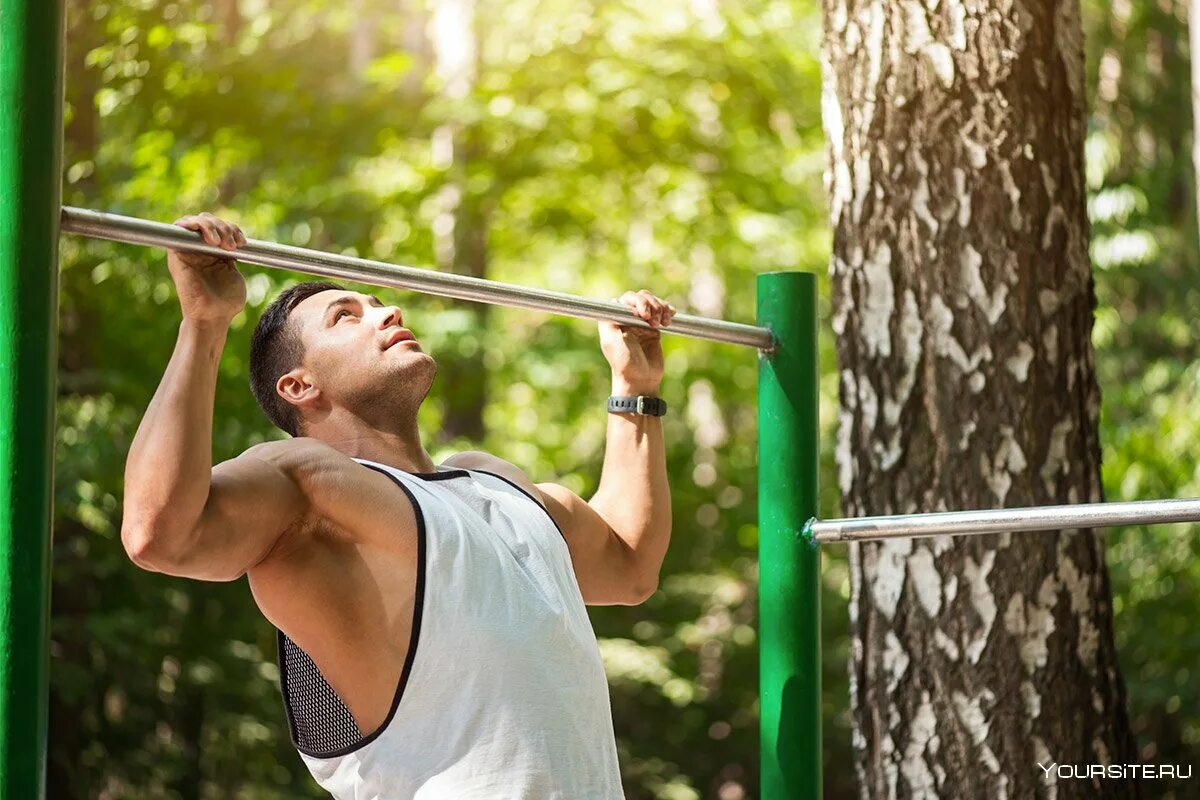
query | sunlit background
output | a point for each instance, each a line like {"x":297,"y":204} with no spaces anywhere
{"x":587,"y":147}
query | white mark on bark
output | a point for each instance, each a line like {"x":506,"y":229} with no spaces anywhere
{"x":945,"y":644}
{"x":1101,"y":751}
{"x":842,"y":454}
{"x":1048,"y":180}
{"x":976,"y":152}
{"x":1050,"y":344}
{"x":854,"y":557}
{"x":942,"y":62}
{"x":957,"y":35}
{"x":838,"y":18}
{"x":941,"y":321}
{"x":926,"y":580}
{"x":1078,"y":588}
{"x":970,"y":714}
{"x":1014,"y":196}
{"x":878,"y":302}
{"x":841,"y":311}
{"x":1055,"y":219}
{"x":992,"y":306}
{"x":1048,"y":778}
{"x":1008,"y":460}
{"x":941,"y":544}
{"x":890,"y":558}
{"x":913,"y":767}
{"x":1048,"y":301}
{"x":1018,"y":364}
{"x":1031,"y":700}
{"x":890,"y":771}
{"x":989,"y":760}
{"x":951,"y":589}
{"x":1031,"y":624}
{"x":920,"y":195}
{"x":964,"y":197}
{"x":868,"y":403}
{"x":1068,"y":36}
{"x":837,"y":180}
{"x":909,"y":346}
{"x":862,"y":178}
{"x":983,"y":601}
{"x":1056,"y":462}
{"x":916,"y":28}
{"x":964,"y":441}
{"x":895,"y":661}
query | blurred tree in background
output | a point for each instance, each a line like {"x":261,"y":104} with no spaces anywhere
{"x":1147,"y":265}
{"x":593,"y":147}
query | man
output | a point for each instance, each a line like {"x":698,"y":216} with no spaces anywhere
{"x":433,"y":640}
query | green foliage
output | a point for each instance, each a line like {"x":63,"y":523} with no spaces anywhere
{"x":1147,"y":266}
{"x":609,"y":145}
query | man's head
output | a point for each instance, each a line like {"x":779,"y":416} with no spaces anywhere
{"x":319,"y":347}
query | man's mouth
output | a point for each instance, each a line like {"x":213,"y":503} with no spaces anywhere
{"x":401,"y":335}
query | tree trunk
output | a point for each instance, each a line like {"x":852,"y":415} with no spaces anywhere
{"x":962,"y":304}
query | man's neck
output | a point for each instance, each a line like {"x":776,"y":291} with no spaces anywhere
{"x":399,"y":447}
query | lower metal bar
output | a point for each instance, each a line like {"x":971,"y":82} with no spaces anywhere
{"x":1004,"y":520}
{"x":132,"y":230}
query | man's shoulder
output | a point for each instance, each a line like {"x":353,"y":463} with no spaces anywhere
{"x":486,"y":462}
{"x":476,"y":459}
{"x":298,"y":454}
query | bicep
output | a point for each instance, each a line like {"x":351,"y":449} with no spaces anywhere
{"x":253,"y":500}
{"x":603,"y":561}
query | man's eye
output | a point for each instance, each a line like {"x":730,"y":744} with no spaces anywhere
{"x":338,"y":316}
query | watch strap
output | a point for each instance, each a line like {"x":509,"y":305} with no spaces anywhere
{"x":645,"y":405}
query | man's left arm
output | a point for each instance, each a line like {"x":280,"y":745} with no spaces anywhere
{"x":619,"y":537}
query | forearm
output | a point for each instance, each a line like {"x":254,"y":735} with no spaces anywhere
{"x":169,"y":466}
{"x":634,"y":497}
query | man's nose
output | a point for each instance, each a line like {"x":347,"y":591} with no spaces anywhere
{"x":389,"y":316}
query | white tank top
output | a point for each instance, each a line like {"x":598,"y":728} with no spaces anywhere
{"x":503,"y":694}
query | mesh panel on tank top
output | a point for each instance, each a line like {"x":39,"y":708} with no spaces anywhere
{"x":321,"y":722}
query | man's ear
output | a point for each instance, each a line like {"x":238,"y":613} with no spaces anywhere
{"x":297,"y":387}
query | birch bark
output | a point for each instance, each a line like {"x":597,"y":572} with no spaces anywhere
{"x":962,"y":303}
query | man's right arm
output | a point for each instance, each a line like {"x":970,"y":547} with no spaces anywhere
{"x":181,"y":515}
{"x":185,"y":517}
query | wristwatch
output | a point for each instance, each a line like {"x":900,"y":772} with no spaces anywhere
{"x":645,"y":405}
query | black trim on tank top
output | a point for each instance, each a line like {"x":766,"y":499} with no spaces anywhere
{"x":440,"y":476}
{"x":536,"y":502}
{"x":406,"y":671}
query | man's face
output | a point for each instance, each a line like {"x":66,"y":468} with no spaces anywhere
{"x":359,"y":354}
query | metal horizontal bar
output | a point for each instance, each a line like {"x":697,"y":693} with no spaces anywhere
{"x":117,"y":228}
{"x":1003,"y":520}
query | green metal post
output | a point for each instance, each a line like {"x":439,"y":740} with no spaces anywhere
{"x":31,"y":40}
{"x":789,"y":565}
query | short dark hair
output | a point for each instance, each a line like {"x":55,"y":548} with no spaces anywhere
{"x":275,"y":349}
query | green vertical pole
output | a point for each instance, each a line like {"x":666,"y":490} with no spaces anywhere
{"x":789,"y":566}
{"x":30,"y":134}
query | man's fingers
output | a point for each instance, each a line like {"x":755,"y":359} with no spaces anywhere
{"x":214,"y":230}
{"x":661,"y":309}
{"x":223,"y":230}
{"x":209,"y":231}
{"x":653,"y":309}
